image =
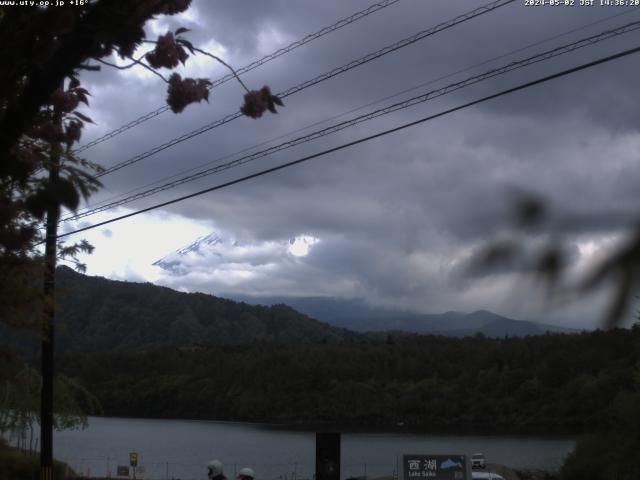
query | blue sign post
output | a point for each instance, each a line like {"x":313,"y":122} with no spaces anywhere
{"x":436,"y":467}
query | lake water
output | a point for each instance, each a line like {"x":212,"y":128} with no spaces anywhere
{"x":182,"y":448}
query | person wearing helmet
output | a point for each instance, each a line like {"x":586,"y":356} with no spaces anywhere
{"x":214,"y":470}
{"x":245,"y":474}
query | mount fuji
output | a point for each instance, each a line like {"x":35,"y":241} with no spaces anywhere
{"x":172,"y":262}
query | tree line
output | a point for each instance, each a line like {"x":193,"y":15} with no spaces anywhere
{"x":553,"y":382}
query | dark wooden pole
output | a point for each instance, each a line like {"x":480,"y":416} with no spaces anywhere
{"x":50,"y":258}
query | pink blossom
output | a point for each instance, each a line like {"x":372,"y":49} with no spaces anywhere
{"x":167,"y":53}
{"x":256,"y":102}
{"x":182,"y":92}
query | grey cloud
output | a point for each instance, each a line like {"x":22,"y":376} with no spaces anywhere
{"x":394,"y":215}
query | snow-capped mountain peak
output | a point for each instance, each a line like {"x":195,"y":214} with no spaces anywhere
{"x":170,"y":260}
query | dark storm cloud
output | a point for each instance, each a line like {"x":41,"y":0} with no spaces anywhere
{"x":396,"y":215}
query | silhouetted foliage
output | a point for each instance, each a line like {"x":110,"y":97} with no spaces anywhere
{"x":20,"y":386}
{"x":618,"y":269}
{"x":613,"y":452}
{"x":44,"y":50}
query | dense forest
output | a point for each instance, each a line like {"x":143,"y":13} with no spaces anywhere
{"x":553,"y":382}
{"x":611,"y":453}
{"x":148,"y":351}
{"x":97,"y":314}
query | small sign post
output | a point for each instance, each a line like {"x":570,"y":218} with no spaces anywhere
{"x":133,"y":461}
{"x":435,"y":467}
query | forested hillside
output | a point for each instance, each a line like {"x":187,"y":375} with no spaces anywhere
{"x":547,"y":383}
{"x":96,"y":314}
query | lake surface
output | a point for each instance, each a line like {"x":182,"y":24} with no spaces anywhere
{"x":182,"y":448}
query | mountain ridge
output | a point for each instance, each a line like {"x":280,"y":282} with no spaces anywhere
{"x":357,"y":315}
{"x":98,"y":314}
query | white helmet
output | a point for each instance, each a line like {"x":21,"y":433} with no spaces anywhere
{"x":214,"y":469}
{"x":246,"y":472}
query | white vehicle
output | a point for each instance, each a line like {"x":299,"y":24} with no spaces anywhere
{"x":486,"y":476}
{"x":477,"y":460}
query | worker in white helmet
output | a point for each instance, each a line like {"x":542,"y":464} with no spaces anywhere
{"x":245,"y":474}
{"x":214,"y":470}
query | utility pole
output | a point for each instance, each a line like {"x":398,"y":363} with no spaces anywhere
{"x":48,"y":316}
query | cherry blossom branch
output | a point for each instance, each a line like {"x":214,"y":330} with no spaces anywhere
{"x":204,"y":52}
{"x":125,"y":67}
{"x":135,"y":62}
{"x":91,"y":68}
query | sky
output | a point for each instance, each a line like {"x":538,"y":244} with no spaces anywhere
{"x":399,"y":220}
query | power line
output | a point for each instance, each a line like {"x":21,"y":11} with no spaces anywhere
{"x":375,"y":102}
{"x":371,"y":115}
{"x":397,"y":106}
{"x":320,"y":78}
{"x":365,"y":139}
{"x":247,"y":68}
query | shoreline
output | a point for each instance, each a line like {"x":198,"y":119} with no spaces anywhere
{"x":346,"y":428}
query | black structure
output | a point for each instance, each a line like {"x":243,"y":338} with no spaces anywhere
{"x":327,"y":456}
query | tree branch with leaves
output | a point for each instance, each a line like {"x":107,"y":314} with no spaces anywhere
{"x":46,"y":49}
{"x":50,"y":47}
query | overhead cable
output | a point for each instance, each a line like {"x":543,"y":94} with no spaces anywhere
{"x":320,"y":78}
{"x":361,"y":107}
{"x":247,"y":68}
{"x":523,"y":86}
{"x":368,"y":116}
